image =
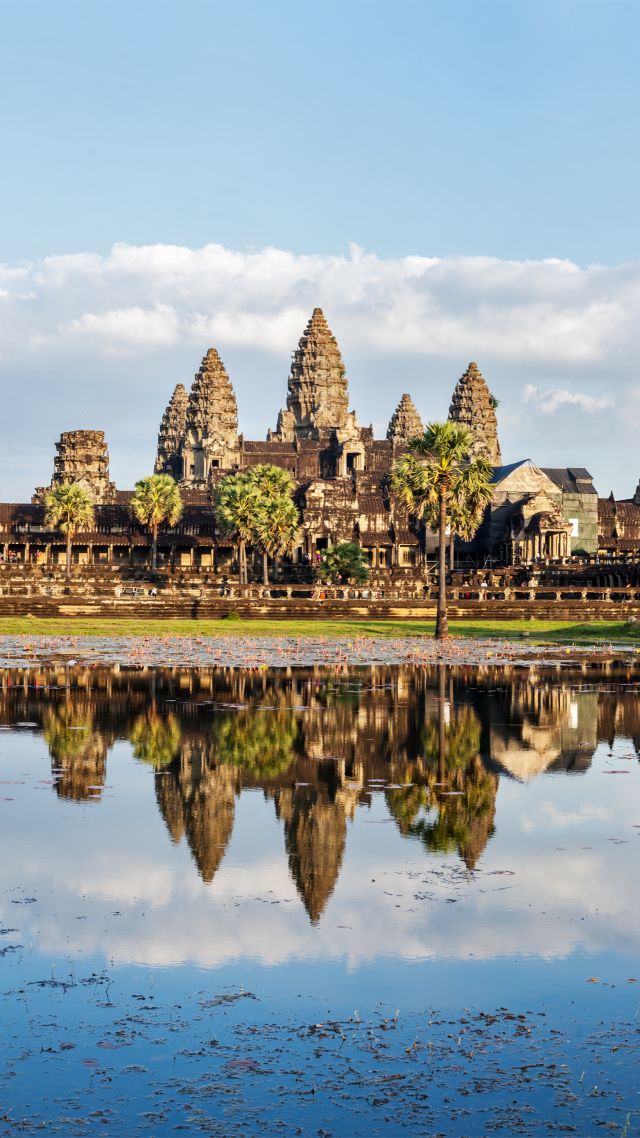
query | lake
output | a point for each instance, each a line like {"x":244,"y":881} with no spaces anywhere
{"x":320,"y":900}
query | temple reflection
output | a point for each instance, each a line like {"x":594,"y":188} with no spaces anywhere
{"x":320,"y":744}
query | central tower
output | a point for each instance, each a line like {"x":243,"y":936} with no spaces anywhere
{"x":317,"y":390}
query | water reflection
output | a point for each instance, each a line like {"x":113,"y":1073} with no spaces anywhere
{"x":436,"y":742}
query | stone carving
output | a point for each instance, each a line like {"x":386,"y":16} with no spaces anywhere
{"x":171,"y":434}
{"x":405,"y":423}
{"x":211,"y":434}
{"x":472,"y":406}
{"x":318,"y":395}
{"x":83,"y":457}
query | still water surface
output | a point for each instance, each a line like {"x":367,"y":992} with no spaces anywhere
{"x":383,"y":901}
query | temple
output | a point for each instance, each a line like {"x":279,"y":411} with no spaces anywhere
{"x":341,"y":473}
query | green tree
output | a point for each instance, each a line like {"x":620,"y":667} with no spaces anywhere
{"x":276,"y":530}
{"x":237,"y":504}
{"x":345,"y":561}
{"x":259,"y":741}
{"x":68,"y":507}
{"x":439,"y":484}
{"x":155,"y":739}
{"x":470,"y":496}
{"x":276,"y":522}
{"x":156,"y":501}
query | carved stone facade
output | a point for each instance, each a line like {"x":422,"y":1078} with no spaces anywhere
{"x":317,"y":396}
{"x":82,"y":457}
{"x":173,"y":429}
{"x":539,"y":514}
{"x":210,"y":441}
{"x":473,"y":406}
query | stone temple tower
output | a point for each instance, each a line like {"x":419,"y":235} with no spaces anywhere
{"x":82,"y":457}
{"x":317,"y":396}
{"x":405,"y":423}
{"x":171,"y":434}
{"x":473,"y":406}
{"x":210,"y":440}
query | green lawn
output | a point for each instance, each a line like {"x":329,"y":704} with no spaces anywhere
{"x":545,"y":631}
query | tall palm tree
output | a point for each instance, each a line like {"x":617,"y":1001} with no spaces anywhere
{"x":436,"y":479}
{"x":68,"y":507}
{"x":276,"y":530}
{"x":237,"y":506}
{"x":276,"y":527}
{"x":156,"y":501}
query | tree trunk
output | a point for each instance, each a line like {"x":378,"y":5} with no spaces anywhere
{"x":68,"y":565}
{"x":265,"y":568}
{"x":442,"y":731}
{"x":154,"y":548}
{"x":242,"y":562}
{"x":442,"y":627}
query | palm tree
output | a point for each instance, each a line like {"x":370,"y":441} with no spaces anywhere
{"x":470,"y":497}
{"x":439,"y":484}
{"x":276,"y":530}
{"x":276,"y":524}
{"x":237,"y":506}
{"x":345,"y":561}
{"x":156,"y":501}
{"x":68,"y":507}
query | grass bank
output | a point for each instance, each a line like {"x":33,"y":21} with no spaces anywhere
{"x":539,"y":631}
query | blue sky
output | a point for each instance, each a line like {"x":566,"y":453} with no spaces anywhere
{"x":498,"y":127}
{"x":453,"y":131}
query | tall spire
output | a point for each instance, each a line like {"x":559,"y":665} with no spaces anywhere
{"x":317,"y":387}
{"x":212,"y":413}
{"x":171,"y":434}
{"x":473,"y":406}
{"x":405,"y":423}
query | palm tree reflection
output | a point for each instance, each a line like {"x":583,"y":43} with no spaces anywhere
{"x":460,"y":803}
{"x":78,"y":752}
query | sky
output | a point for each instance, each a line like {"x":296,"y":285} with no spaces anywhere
{"x":449,"y":180}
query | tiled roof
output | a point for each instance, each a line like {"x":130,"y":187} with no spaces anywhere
{"x":568,"y":477}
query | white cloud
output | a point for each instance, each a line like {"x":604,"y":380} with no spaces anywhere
{"x":545,"y":309}
{"x":125,"y":329}
{"x":549,"y":401}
